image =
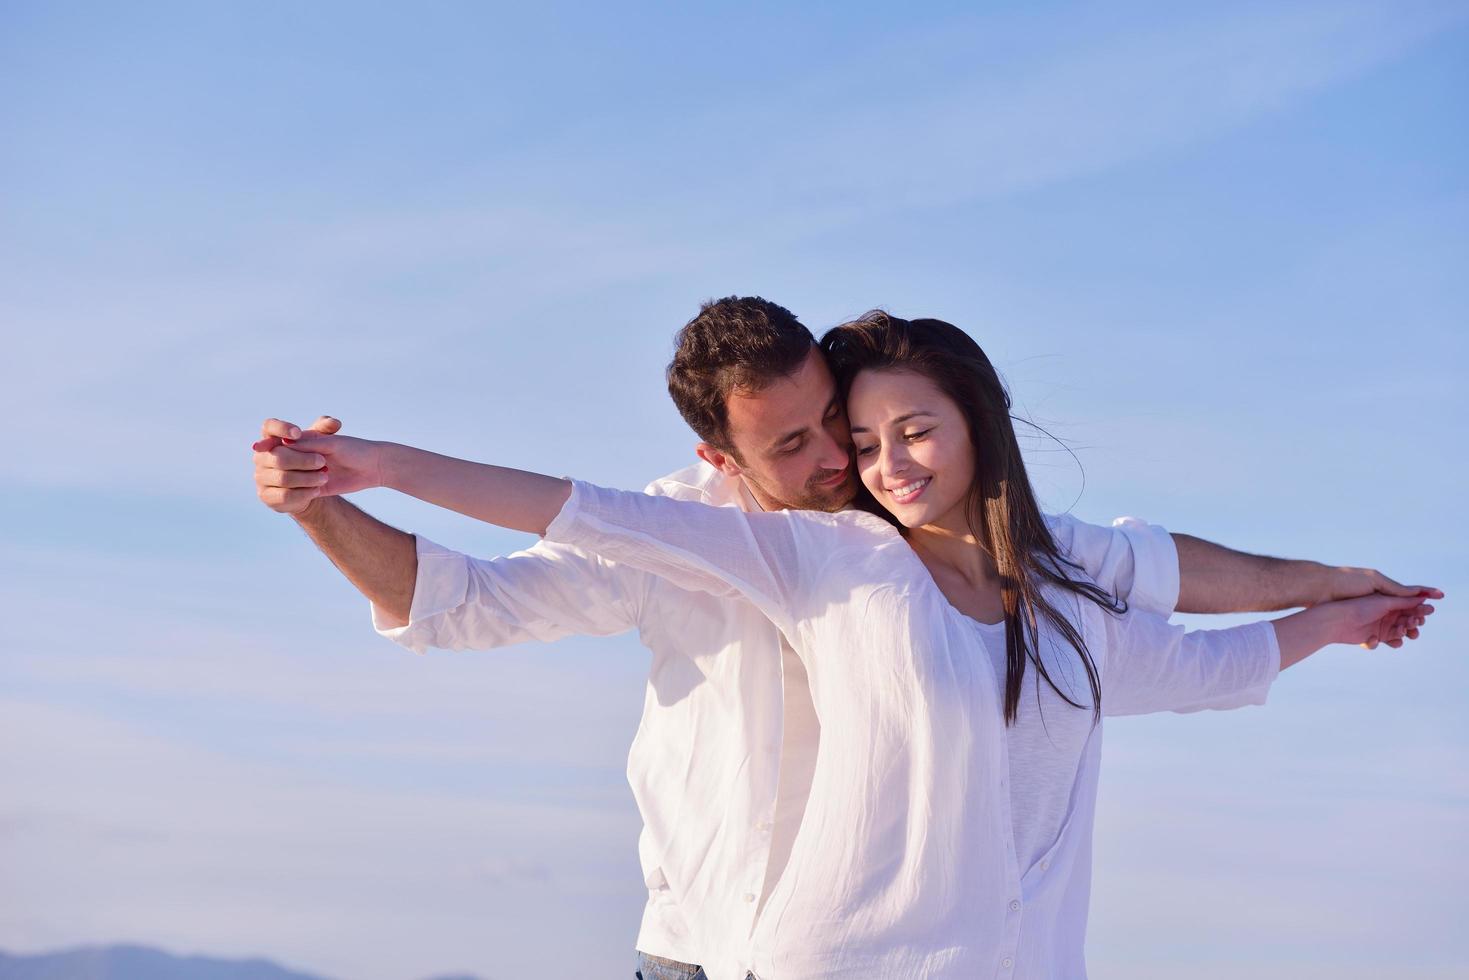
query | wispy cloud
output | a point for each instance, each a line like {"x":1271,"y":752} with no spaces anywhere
{"x":869,"y":135}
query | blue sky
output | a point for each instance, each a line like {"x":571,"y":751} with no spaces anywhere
{"x":1218,"y":250}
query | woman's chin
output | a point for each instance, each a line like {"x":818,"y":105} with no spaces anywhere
{"x":907,"y":516}
{"x":921,"y":513}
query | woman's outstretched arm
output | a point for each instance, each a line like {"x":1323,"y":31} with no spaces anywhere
{"x":1153,"y":665}
{"x":516,"y":499}
{"x":720,"y":550}
{"x":1366,"y":621}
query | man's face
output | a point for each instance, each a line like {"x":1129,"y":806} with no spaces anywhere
{"x":792,"y":447}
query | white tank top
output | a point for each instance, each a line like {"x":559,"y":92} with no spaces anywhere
{"x":1045,"y":744}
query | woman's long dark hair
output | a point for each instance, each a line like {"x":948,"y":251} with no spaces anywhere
{"x":1001,"y":509}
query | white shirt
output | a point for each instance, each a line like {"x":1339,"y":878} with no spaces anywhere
{"x":721,"y":762}
{"x":905,"y":863}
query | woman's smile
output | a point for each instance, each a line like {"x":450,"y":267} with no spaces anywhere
{"x":906,"y":493}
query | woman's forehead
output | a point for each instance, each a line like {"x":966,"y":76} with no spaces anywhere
{"x":879,"y":396}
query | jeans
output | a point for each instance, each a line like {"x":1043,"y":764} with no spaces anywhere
{"x":661,"y":968}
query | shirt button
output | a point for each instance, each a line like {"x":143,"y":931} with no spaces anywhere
{"x":749,"y":897}
{"x":1014,"y":905}
{"x":763,"y":825}
{"x":1007,"y":962}
{"x":1045,"y":865}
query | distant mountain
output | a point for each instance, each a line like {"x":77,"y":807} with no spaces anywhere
{"x":143,"y":963}
{"x":138,"y":963}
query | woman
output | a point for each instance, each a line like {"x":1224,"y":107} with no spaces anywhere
{"x":958,"y":662}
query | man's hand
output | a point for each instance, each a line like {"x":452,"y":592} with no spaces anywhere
{"x":295,"y":468}
{"x":286,"y":480}
{"x":295,"y":479}
{"x":1350,"y":583}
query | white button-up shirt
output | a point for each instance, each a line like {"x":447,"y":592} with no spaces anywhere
{"x":721,"y":762}
{"x":905,"y":864}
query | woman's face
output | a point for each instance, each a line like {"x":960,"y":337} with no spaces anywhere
{"x":913,"y":448}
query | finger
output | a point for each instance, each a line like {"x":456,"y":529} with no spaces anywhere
{"x":1387,"y":586}
{"x":1399,"y":602}
{"x":288,"y":501}
{"x":286,"y":458}
{"x":280,"y":429}
{"x":326,"y":425}
{"x":1395,"y":644}
{"x":291,"y":479}
{"x":265,"y":444}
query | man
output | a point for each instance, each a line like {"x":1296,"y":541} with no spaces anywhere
{"x":721,"y":763}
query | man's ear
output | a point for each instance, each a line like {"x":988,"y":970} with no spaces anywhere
{"x":719,"y":459}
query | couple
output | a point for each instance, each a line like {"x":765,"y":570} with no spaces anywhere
{"x":872,"y":728}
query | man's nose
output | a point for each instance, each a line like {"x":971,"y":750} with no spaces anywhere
{"x":834,"y":455}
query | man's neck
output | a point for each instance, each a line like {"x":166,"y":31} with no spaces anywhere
{"x":755,"y":499}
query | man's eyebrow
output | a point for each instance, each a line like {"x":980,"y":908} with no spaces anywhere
{"x":897,"y":421}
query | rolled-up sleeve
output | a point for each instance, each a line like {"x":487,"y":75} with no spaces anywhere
{"x":1132,"y":559}
{"x":544,"y":593}
{"x":1153,"y":665}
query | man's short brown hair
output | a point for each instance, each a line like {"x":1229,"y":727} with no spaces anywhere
{"x":742,"y":342}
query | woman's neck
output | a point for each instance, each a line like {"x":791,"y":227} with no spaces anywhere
{"x":951,"y":544}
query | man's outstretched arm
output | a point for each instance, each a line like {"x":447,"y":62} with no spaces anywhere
{"x":380,"y":560}
{"x":1216,"y":579}
{"x":424,"y":595}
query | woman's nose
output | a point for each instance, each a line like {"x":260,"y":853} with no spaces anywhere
{"x":894,"y":461}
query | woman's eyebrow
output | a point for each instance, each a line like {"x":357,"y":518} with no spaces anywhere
{"x":897,"y":421}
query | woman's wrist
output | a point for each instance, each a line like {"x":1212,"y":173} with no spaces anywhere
{"x":390,"y":464}
{"x":1301,"y":634}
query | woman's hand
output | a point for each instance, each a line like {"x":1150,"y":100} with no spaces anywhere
{"x":1373,"y":619}
{"x":1366,"y":621}
{"x":347,"y":464}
